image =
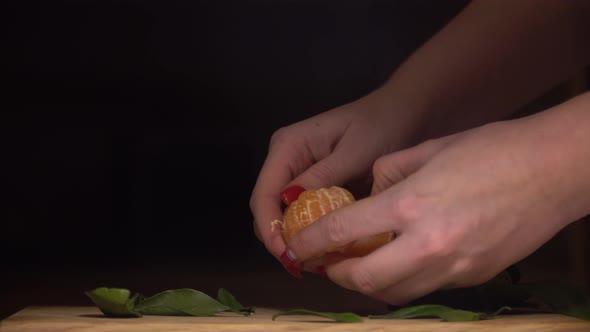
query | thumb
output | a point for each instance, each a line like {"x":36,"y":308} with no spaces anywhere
{"x":395,"y":167}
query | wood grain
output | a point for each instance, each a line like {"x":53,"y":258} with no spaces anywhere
{"x":53,"y":319}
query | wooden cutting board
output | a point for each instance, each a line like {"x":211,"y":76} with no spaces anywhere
{"x":50,"y":319}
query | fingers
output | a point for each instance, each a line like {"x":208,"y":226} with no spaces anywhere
{"x":397,"y":273}
{"x":431,"y":277}
{"x":377,"y":272}
{"x":350,"y":156}
{"x":328,"y":172}
{"x":339,"y":167}
{"x":412,"y":288}
{"x":388,"y":171}
{"x":268,"y":209}
{"x":366,"y":217}
{"x":393,"y":168}
{"x":265,"y":202}
{"x":289,"y":155}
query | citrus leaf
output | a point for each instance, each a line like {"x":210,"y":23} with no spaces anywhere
{"x":114,"y":302}
{"x":438,"y":311}
{"x":457,"y":315}
{"x":419,"y":311}
{"x":227,"y":299}
{"x":180,"y":302}
{"x":341,"y":317}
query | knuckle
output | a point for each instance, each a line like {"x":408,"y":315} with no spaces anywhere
{"x":257,"y":232}
{"x":386,"y":169}
{"x":437,"y":247}
{"x":336,"y":229}
{"x":256,"y":198}
{"x":429,"y":144}
{"x":463,"y":267}
{"x":279,"y":134}
{"x":479,"y":279}
{"x":468,"y":271}
{"x":380,"y":165}
{"x":363,"y":282}
{"x":303,"y":239}
{"x":440,"y":245}
{"x":283,"y":136}
{"x":323,"y":172}
{"x":470,"y":279}
{"x":408,"y":207}
{"x":252,"y":202}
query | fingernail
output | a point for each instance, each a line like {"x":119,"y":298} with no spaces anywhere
{"x":291,"y":194}
{"x":290,"y":265}
{"x":286,"y":260}
{"x":322,"y":271}
{"x":291,"y":255}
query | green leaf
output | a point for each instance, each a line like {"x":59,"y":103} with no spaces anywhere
{"x":180,"y":302}
{"x":419,"y":311}
{"x":342,"y":317}
{"x":457,"y":315}
{"x":562,"y":297}
{"x":227,"y":299}
{"x":436,"y":310}
{"x":502,"y":290}
{"x":114,"y":302}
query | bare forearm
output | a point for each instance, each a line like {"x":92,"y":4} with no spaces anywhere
{"x":493,"y":58}
{"x":563,"y":138}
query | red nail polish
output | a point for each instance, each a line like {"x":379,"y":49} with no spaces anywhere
{"x":291,"y":194}
{"x":322,"y":271}
{"x":291,"y":266}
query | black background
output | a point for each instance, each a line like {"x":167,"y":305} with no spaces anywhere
{"x":138,"y":127}
{"x":133,"y":131}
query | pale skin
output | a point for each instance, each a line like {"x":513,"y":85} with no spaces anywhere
{"x":466,"y":205}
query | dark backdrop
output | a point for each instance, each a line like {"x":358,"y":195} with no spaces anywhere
{"x":136,"y":129}
{"x":132,"y":131}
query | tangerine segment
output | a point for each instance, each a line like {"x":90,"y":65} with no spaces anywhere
{"x":313,"y":204}
{"x":310,"y":206}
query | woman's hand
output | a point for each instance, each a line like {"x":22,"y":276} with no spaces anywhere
{"x":333,"y":148}
{"x":457,"y":80}
{"x":464,"y":207}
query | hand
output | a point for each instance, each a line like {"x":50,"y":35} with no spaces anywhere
{"x":333,"y":148}
{"x":466,"y":207}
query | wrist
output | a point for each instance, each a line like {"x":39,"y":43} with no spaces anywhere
{"x":428,"y":115}
{"x":400,"y":121}
{"x":562,"y":137}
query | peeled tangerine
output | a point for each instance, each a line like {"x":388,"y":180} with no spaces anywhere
{"x":312,"y":204}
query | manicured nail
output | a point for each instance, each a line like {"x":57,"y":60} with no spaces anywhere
{"x":290,"y":265}
{"x":322,"y":271}
{"x":291,"y":194}
{"x":291,"y":254}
